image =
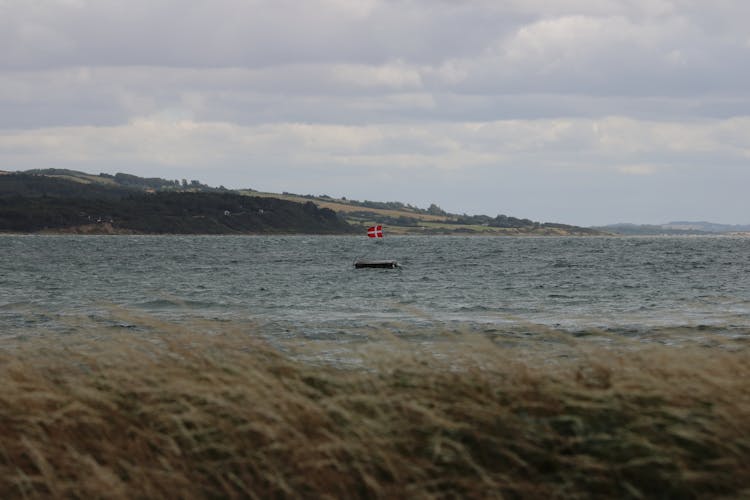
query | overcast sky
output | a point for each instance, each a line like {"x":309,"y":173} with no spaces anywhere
{"x":577,"y":111}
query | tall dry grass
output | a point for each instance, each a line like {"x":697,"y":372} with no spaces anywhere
{"x":222,"y":415}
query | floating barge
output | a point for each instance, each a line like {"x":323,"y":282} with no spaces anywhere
{"x":381,"y":264}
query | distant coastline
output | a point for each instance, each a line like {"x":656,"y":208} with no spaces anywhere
{"x":677,"y":228}
{"x":60,"y":201}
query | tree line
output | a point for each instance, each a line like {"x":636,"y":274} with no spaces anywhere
{"x":31,"y":203}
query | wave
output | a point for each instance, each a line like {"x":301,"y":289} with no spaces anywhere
{"x":177,"y":303}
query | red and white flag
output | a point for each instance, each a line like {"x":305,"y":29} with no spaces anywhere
{"x":375,"y":232}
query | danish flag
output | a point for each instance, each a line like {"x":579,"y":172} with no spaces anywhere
{"x":375,"y":232}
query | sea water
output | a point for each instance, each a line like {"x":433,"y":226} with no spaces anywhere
{"x":307,"y":287}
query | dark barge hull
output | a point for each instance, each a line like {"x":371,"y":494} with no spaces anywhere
{"x":382,"y":264}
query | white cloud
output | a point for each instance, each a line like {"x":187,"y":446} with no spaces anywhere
{"x":356,"y":8}
{"x":637,"y":169}
{"x":395,"y":75}
{"x":170,"y":139}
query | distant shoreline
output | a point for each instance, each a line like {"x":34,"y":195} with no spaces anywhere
{"x":68,"y":202}
{"x":127,"y":232}
{"x":79,"y":231}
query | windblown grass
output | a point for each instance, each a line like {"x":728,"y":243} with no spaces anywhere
{"x":221,"y":414}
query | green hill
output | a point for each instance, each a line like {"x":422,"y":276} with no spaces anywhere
{"x":41,"y":203}
{"x":62,"y":200}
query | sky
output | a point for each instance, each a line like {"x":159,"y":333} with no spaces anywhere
{"x":585,"y":112}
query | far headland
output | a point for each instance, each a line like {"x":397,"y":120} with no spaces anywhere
{"x":74,"y":202}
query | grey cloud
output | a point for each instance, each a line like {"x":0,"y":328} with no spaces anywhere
{"x":313,"y":94}
{"x":628,"y":48}
{"x":607,"y":56}
{"x":236,"y":33}
{"x":478,"y":105}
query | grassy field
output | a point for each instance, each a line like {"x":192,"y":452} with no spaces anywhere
{"x":212,"y":411}
{"x":423,"y":223}
{"x":345,"y":207}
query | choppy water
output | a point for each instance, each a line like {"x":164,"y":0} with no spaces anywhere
{"x":306,"y":286}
